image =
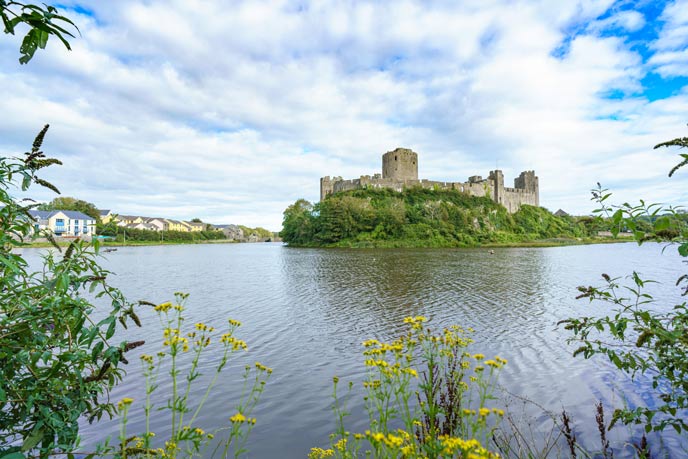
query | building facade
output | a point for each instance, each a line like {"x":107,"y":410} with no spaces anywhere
{"x":400,"y":170}
{"x":65,"y":223}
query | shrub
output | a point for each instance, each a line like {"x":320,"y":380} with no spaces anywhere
{"x":56,"y":359}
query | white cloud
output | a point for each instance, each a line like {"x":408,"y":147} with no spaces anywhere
{"x":193,"y":109}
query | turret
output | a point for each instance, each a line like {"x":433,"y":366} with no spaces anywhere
{"x":400,"y":164}
{"x":497,"y":178}
{"x":529,"y":182}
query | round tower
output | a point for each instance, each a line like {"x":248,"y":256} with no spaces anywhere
{"x":400,"y":164}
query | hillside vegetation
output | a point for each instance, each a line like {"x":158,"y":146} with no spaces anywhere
{"x":419,"y":217}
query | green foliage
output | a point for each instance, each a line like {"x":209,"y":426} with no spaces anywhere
{"x":132,"y":234}
{"x":56,"y":360}
{"x":425,"y":395}
{"x":258,"y":231}
{"x":67,"y":203}
{"x":418,"y":217}
{"x":642,"y":337}
{"x":43,"y":21}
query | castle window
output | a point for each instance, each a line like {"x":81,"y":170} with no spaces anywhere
{"x":395,"y":158}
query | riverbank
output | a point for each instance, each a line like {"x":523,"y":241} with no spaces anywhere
{"x":141,"y":243}
{"x":402,"y":244}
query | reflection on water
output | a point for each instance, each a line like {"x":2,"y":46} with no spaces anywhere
{"x":306,"y":311}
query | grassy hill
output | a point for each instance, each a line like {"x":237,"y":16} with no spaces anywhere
{"x":419,"y":217}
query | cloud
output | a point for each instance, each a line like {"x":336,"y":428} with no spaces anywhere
{"x":190,"y":109}
{"x":671,"y":56}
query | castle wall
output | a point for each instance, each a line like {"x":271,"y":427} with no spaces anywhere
{"x":514,"y":198}
{"x":400,"y":170}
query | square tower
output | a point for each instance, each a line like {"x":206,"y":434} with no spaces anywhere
{"x":400,"y":164}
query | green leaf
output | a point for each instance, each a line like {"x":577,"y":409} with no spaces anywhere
{"x":32,"y":440}
{"x":662,"y":223}
{"x":683,"y":249}
{"x":14,"y":455}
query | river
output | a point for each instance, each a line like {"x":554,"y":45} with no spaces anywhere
{"x":306,"y":311}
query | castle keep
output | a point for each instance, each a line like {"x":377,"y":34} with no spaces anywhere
{"x":400,"y":170}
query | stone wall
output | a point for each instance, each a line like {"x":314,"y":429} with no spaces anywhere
{"x":400,"y":170}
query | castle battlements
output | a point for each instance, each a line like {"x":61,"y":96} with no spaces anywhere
{"x":400,"y":170}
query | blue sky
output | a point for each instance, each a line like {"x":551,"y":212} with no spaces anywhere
{"x":195,"y":108}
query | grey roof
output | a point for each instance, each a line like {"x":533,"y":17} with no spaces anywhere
{"x":72,"y":214}
{"x":104,"y":211}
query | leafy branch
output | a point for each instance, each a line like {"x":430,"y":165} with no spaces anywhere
{"x":43,"y":21}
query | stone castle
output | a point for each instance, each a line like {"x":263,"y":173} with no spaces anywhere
{"x":400,"y":170}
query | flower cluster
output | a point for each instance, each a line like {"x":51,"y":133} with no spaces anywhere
{"x":261,"y":367}
{"x":239,"y":418}
{"x":235,"y":343}
{"x":163,"y":307}
{"x":126,"y":401}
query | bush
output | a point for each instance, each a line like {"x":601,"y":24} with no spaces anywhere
{"x":57,"y":362}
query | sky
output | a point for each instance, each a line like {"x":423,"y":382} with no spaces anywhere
{"x":231,"y":111}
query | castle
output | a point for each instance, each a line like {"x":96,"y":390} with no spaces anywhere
{"x":400,"y":170}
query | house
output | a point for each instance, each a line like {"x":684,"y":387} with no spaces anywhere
{"x":106,"y":215}
{"x":232,"y":232}
{"x":561,"y":213}
{"x":68,"y":223}
{"x":176,"y":225}
{"x":125,"y":220}
{"x":195,"y":226}
{"x":158,"y":224}
{"x":142,"y":226}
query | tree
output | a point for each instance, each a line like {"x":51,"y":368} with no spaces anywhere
{"x":57,"y":363}
{"x":641,"y":337}
{"x":197,"y":220}
{"x":297,"y":224}
{"x":67,"y":203}
{"x":43,"y":21}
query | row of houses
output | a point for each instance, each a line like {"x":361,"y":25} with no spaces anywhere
{"x":71,"y":223}
{"x":151,"y":223}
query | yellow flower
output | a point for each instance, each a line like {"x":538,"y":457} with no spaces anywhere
{"x":238,"y":418}
{"x":492,"y":363}
{"x":319,"y":453}
{"x":164,"y":307}
{"x":484,"y":411}
{"x":478,"y":356}
{"x":126,"y":401}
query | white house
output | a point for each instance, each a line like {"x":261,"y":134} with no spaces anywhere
{"x":64,"y":223}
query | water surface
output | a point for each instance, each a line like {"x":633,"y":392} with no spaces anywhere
{"x":306,"y":311}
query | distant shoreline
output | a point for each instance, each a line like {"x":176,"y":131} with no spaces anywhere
{"x":559,"y":242}
{"x":38,"y":245}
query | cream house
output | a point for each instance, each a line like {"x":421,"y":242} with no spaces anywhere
{"x":106,"y":215}
{"x":64,"y":223}
{"x":195,"y":226}
{"x":158,"y":224}
{"x":125,"y":220}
